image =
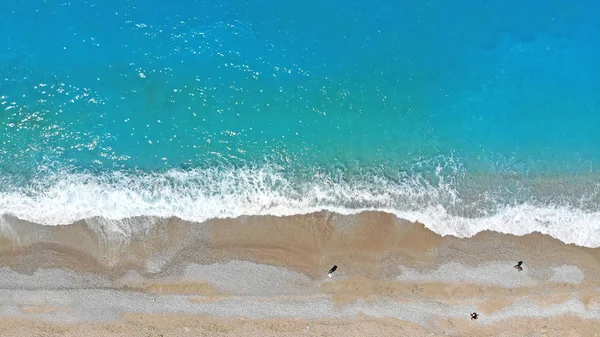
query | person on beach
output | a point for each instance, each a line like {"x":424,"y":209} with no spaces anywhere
{"x":474,"y":316}
{"x":518,"y":266}
{"x":334,"y":268}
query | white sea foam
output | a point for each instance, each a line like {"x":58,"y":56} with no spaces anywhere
{"x":199,"y":195}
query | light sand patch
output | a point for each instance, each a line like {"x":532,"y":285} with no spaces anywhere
{"x":498,"y":273}
{"x":205,"y":299}
{"x":497,"y":303}
{"x":567,"y":274}
{"x":247,"y":278}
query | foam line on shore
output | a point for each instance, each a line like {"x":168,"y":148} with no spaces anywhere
{"x":112,"y":200}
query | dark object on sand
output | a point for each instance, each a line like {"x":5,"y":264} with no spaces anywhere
{"x":474,"y":316}
{"x":334,"y":268}
{"x":518,"y":266}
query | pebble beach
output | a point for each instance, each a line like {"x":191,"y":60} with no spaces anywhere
{"x":267,"y":276}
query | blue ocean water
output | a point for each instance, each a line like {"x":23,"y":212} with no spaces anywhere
{"x":465,"y":115}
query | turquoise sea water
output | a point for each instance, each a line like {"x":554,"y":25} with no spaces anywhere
{"x":465,"y":115}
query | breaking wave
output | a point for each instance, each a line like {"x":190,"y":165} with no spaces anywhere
{"x":444,"y":201}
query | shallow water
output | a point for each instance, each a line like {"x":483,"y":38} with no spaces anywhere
{"x":465,"y":116}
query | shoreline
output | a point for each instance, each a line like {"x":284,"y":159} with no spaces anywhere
{"x":262,"y":271}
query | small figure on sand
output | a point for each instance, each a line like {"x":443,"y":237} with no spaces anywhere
{"x":518,"y":266}
{"x":474,"y":316}
{"x":334,"y":268}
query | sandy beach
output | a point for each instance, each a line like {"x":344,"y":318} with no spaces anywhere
{"x":267,"y":276}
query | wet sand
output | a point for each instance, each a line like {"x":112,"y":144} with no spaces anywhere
{"x":267,"y":276}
